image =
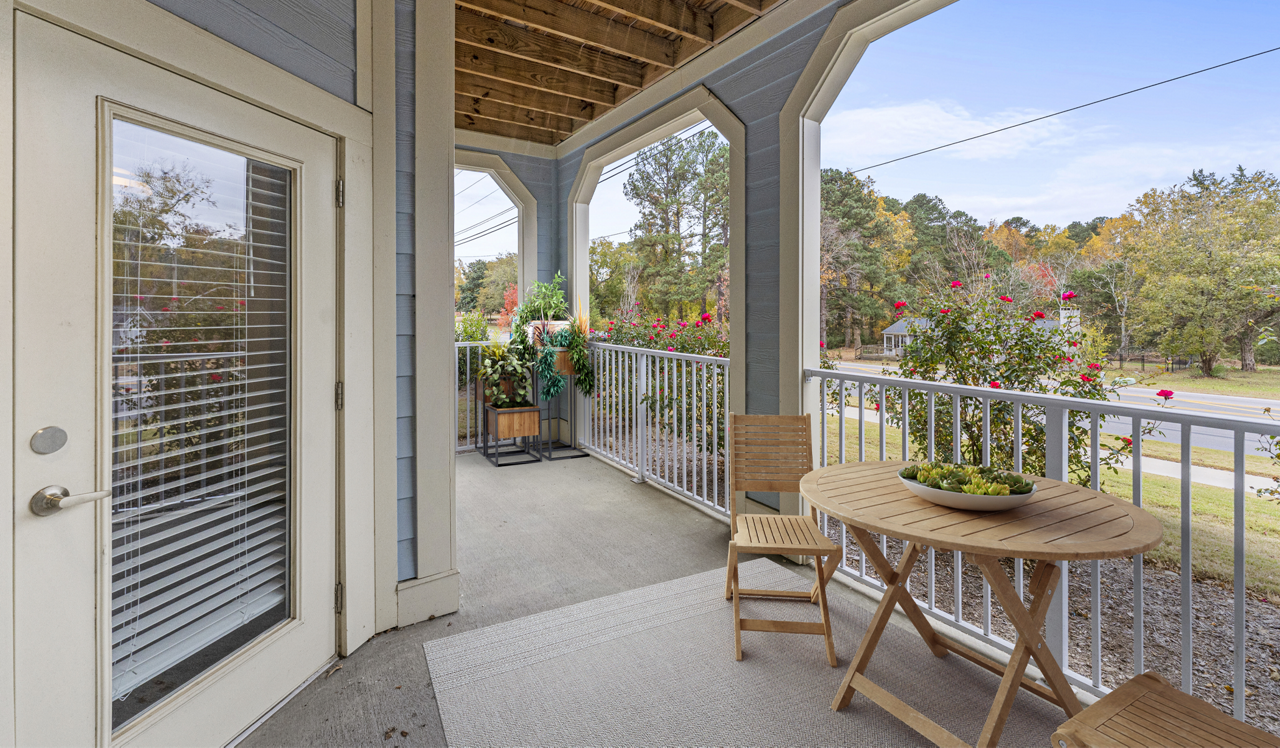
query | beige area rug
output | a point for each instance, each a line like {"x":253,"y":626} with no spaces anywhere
{"x":655,"y":666}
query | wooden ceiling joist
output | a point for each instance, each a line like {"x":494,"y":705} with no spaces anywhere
{"x":527,"y":98}
{"x":505,"y":129}
{"x":490,"y":33}
{"x":581,"y":26}
{"x":479,"y":107}
{"x":538,"y":70}
{"x":677,"y":18}
{"x":490,"y":64}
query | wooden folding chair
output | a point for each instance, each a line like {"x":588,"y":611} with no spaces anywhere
{"x":772,"y":453}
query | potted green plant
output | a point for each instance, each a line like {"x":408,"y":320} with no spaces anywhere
{"x":508,"y":393}
{"x":564,"y":354}
{"x":545,"y":309}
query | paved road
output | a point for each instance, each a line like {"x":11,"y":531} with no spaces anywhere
{"x":1225,"y":405}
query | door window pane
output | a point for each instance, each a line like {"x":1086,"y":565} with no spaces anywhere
{"x":200,"y":385}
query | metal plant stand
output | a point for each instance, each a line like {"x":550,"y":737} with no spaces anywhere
{"x":522,"y":451}
{"x":558,"y":448}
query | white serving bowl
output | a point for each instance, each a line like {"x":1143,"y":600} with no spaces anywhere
{"x":967,"y":501}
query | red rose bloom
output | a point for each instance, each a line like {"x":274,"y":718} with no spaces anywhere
{"x":995,"y":385}
{"x":899,"y":304}
{"x":1006,"y":299}
{"x":944,"y":311}
{"x":956,"y":284}
{"x":1086,"y":378}
{"x":1166,"y":394}
{"x":1038,"y":315}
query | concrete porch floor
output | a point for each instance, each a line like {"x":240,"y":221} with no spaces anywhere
{"x":530,"y":538}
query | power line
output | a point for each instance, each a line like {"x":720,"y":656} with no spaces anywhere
{"x":1072,"y":109}
{"x":490,"y":218}
{"x":499,"y":227}
{"x":626,"y":165}
{"x":473,"y":184}
{"x":472,"y":205}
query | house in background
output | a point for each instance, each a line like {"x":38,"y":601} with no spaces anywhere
{"x":899,"y":335}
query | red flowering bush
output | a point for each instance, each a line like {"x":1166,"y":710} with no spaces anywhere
{"x":981,"y":340}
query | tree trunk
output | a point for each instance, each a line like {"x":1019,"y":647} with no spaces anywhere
{"x":822,"y":309}
{"x":848,"y":328}
{"x":1247,"y":360}
{"x":1207,"y":361}
{"x":1124,"y":341}
{"x":857,"y":336}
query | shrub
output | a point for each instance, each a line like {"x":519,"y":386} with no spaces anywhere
{"x":974,"y":338}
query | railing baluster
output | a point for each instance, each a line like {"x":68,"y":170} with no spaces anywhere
{"x":840,"y":420}
{"x":906,"y":423}
{"x":883,"y":403}
{"x":957,"y":571}
{"x":1239,"y":581}
{"x":1138,"y":631}
{"x":986,"y":433}
{"x":1095,"y":620}
{"x":1018,"y":444}
{"x":955,"y":429}
{"x":862,"y":431}
{"x":930,"y":441}
{"x":933,"y":579}
{"x":1187,"y":684}
{"x":822,"y":421}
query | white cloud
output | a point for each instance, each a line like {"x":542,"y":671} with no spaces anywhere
{"x":869,"y":134}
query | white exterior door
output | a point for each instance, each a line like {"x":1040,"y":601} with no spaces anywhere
{"x":174,"y":318}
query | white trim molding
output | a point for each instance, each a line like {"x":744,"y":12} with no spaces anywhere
{"x":526,"y":209}
{"x":678,"y":114}
{"x":847,"y":37}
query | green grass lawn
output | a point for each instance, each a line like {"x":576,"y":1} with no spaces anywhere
{"x":1212,"y":513}
{"x":1211,"y":458}
{"x":1264,"y":383}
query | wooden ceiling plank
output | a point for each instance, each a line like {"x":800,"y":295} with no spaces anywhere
{"x":582,"y":26}
{"x":490,"y":64}
{"x":504,"y":129}
{"x":541,"y":101}
{"x":490,"y":33}
{"x":675,"y":16}
{"x":488,"y":109}
{"x":754,"y":7}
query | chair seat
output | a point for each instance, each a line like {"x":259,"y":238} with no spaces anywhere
{"x":1149,"y":711}
{"x":782,"y":534}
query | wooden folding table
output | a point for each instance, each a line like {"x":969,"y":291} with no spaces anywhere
{"x":1061,"y":522}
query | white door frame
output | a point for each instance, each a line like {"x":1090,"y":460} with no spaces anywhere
{"x":150,"y":33}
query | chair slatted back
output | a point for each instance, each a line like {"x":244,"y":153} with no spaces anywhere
{"x":767,"y":453}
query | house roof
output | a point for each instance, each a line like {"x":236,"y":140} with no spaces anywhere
{"x":902,"y":326}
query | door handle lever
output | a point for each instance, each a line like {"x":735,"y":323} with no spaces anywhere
{"x":52,"y":499}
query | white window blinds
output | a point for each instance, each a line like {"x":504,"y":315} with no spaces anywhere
{"x":200,"y":403}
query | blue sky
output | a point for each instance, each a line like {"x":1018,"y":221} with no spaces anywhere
{"x":981,"y":64}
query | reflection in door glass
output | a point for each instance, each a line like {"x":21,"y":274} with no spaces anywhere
{"x":200,"y":409}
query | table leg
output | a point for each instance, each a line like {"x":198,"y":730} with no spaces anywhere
{"x":1027,"y":621}
{"x":895,"y":594}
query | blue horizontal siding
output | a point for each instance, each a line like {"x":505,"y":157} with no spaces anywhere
{"x":312,"y":39}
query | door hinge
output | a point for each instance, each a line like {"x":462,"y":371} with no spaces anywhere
{"x":338,"y":396}
{"x":339,"y":193}
{"x":337,"y":598}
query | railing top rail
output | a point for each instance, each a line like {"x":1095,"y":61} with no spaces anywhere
{"x":663,"y":354}
{"x":1101,"y":407}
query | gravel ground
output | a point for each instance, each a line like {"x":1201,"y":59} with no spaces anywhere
{"x":1212,"y":633}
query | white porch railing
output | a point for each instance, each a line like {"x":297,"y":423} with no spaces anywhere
{"x":663,"y":416}
{"x":839,"y":390}
{"x":469,"y":404}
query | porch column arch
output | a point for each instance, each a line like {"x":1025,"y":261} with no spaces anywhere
{"x":526,"y":210}
{"x":847,"y":37}
{"x":678,"y":114}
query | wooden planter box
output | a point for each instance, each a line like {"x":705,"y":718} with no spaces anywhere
{"x":564,"y":363}
{"x":535,"y":329}
{"x":509,"y":423}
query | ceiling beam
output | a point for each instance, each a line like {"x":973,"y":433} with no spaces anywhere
{"x":490,"y":33}
{"x":675,"y":16}
{"x":478,"y":107}
{"x":541,"y":101}
{"x":490,"y":64}
{"x":581,"y":26}
{"x":505,"y":129}
{"x":733,"y":17}
{"x":754,"y":7}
